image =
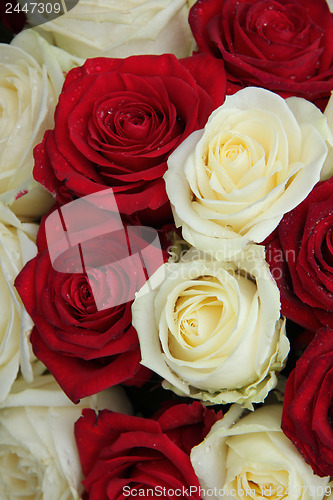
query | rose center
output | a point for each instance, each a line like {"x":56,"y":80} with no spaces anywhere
{"x":198,"y":312}
{"x":233,"y":152}
{"x":123,"y":121}
{"x":229,"y":158}
{"x":78,"y":295}
{"x":85,"y":293}
{"x":275,"y":21}
{"x":258,"y":486}
{"x":135,"y":125}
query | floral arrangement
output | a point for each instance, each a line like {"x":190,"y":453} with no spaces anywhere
{"x":166,"y":249}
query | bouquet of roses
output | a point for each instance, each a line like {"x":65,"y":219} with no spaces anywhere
{"x":166,"y":249}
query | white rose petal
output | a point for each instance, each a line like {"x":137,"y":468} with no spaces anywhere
{"x":213,"y":329}
{"x":16,"y":248}
{"x":257,"y":158}
{"x":252,"y":454}
{"x":38,"y":454}
{"x":31,"y":77}
{"x":122,"y":29}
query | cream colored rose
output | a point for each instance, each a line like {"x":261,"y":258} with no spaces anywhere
{"x":213,"y":329}
{"x":120,"y":29}
{"x":31,"y":77}
{"x":252,"y":459}
{"x":38,"y":454}
{"x":257,"y":158}
{"x":16,"y":248}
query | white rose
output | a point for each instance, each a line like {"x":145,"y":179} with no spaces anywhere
{"x":121,"y":29}
{"x":254,"y":456}
{"x":38,"y":454}
{"x":31,"y":77}
{"x":257,"y":158}
{"x":16,"y":248}
{"x":213,"y":329}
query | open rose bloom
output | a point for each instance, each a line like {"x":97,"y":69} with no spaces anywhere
{"x":131,"y":456}
{"x":213,"y":330}
{"x":116,"y":123}
{"x":256,"y":159}
{"x":281,"y":46}
{"x":251,"y":457}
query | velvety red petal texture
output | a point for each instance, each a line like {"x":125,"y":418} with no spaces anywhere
{"x":121,"y":453}
{"x":284,"y":46}
{"x":83,"y":331}
{"x":300,"y":256}
{"x":116,"y":123}
{"x":308,"y":404}
{"x":80,"y":378}
{"x":186,"y":425}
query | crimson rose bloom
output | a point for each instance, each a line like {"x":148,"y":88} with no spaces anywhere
{"x":281,"y":45}
{"x":308,"y":404}
{"x":300,"y":255}
{"x":122,"y":454}
{"x":116,"y":123}
{"x":87,"y":350}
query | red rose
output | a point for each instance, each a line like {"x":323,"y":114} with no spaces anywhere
{"x":116,"y":123}
{"x":300,"y":255}
{"x":86,"y":347}
{"x":122,"y":454}
{"x":308,"y":404}
{"x":186,"y":425}
{"x":281,"y":45}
